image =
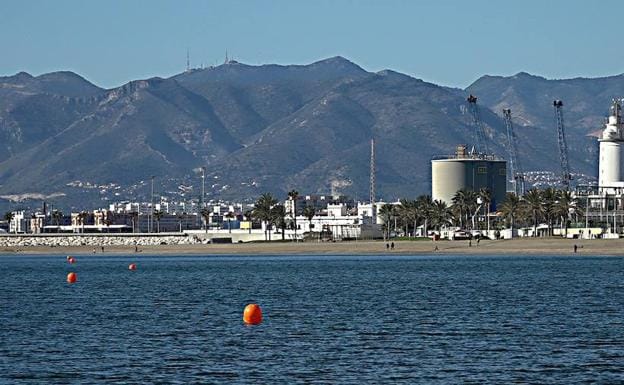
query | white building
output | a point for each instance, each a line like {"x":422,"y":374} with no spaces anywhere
{"x":18,"y":223}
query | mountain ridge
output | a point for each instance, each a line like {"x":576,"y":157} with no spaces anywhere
{"x":272,"y":128}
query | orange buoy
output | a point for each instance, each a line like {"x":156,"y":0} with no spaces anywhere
{"x":132,"y":266}
{"x":71,"y":278}
{"x":252,"y":314}
{"x":71,"y":260}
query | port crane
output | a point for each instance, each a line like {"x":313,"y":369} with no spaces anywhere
{"x":481,"y":144}
{"x":566,"y":177}
{"x":514,"y":164}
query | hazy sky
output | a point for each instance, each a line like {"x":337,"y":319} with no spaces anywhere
{"x":446,"y":42}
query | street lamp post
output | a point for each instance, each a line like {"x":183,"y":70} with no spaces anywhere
{"x":203,"y":190}
{"x":151,"y":212}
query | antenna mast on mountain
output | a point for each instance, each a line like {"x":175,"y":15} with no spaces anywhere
{"x":226,"y":57}
{"x":372,"y":175}
{"x":188,"y":60}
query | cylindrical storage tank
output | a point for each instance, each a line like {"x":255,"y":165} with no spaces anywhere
{"x":447,"y":177}
{"x":610,"y":163}
{"x":451,"y":175}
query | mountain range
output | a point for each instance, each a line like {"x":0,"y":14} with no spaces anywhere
{"x":272,"y":128}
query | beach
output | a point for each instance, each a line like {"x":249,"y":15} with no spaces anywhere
{"x":519,"y":246}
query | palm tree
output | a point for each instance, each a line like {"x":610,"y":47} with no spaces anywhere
{"x":566,"y":205}
{"x":278,"y":217}
{"x":486,"y":199}
{"x":205,"y":213}
{"x":533,"y":199}
{"x":460,"y":205}
{"x":386,"y":213}
{"x":408,"y":212}
{"x":549,"y":199}
{"x":57,"y":216}
{"x":440,"y":214}
{"x":134,"y":217}
{"x":510,"y":208}
{"x":249,"y":216}
{"x":262,"y":211}
{"x":309,"y":213}
{"x":424,"y":205}
{"x":229,"y":217}
{"x":472,"y":207}
{"x":108,"y":220}
{"x":8,"y":217}
{"x":82,"y":216}
{"x":293,"y":195}
{"x":158,"y":216}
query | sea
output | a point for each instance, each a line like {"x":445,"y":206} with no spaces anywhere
{"x":326,"y":320}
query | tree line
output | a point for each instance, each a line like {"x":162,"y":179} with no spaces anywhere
{"x":471,"y":210}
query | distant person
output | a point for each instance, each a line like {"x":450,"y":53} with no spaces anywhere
{"x":94,"y":250}
{"x":470,"y":243}
{"x":387,"y":246}
{"x":436,"y":248}
{"x":478,"y":240}
{"x":392,"y":246}
{"x":102,"y":248}
{"x":575,"y":247}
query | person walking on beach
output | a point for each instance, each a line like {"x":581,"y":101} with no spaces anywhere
{"x":387,"y":246}
{"x":470,"y":243}
{"x":575,"y":247}
{"x":392,"y":246}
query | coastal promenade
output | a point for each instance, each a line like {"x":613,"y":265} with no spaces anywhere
{"x":184,"y":245}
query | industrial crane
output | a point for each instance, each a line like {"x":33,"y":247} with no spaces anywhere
{"x":514,"y":165}
{"x":481,"y":144}
{"x":563,"y":146}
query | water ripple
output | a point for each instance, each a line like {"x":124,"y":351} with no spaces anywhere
{"x":474,"y":320}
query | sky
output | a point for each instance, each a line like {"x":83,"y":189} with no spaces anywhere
{"x":451,"y":42}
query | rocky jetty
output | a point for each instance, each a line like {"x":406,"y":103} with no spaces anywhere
{"x":97,"y":240}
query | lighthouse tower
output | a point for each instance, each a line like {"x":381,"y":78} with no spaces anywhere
{"x":610,"y":174}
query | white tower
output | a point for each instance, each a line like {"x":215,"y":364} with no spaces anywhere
{"x":610,"y":164}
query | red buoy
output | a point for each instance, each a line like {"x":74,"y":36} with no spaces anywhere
{"x":252,"y":314}
{"x":132,"y":266}
{"x":72,"y":278}
{"x":71,"y":260}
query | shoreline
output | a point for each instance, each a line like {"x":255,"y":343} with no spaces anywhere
{"x":519,"y":246}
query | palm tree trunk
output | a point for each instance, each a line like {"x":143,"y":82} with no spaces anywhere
{"x":535,"y":225}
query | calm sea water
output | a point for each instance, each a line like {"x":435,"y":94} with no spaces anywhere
{"x":429,"y":320}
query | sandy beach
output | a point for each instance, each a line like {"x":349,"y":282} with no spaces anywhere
{"x":521,"y":246}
